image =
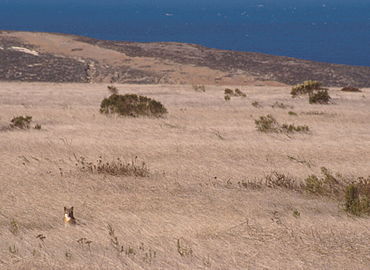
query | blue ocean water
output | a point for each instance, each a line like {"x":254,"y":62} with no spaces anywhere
{"x":336,"y":31}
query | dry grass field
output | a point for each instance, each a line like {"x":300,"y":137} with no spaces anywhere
{"x":193,"y":210}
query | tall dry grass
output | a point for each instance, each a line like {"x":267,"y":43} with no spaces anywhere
{"x":191,"y":212}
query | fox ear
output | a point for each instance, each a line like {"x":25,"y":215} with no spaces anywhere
{"x":65,"y":208}
{"x":72,"y":208}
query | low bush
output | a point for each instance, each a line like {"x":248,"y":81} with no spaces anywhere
{"x":290,"y":128}
{"x":328,"y":184}
{"x":357,"y":198}
{"x":281,"y":105}
{"x":256,"y":104}
{"x":292,"y":113}
{"x":199,"y":87}
{"x":239,"y":93}
{"x":275,"y":180}
{"x":229,"y":92}
{"x":21,"y":122}
{"x":350,"y":89}
{"x":132,"y":105}
{"x":305,"y":88}
{"x":234,"y":93}
{"x":269,"y":124}
{"x":115,"y":167}
{"x":320,"y":97}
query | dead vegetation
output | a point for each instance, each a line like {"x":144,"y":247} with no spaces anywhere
{"x":350,"y":89}
{"x":116,"y":167}
{"x":218,"y":195}
{"x":269,"y":124}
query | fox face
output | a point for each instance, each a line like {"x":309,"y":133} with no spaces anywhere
{"x":68,"y":216}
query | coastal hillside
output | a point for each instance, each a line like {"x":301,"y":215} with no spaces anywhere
{"x":47,"y":57}
{"x":202,"y":187}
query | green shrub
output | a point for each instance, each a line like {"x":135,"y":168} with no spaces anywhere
{"x":21,"y":122}
{"x":229,"y":92}
{"x":292,"y":113}
{"x":314,"y":185}
{"x":132,"y":105}
{"x":239,"y":93}
{"x":305,"y":88}
{"x":319,"y":96}
{"x":328,"y":185}
{"x":267,"y":124}
{"x":234,"y":93}
{"x":296,"y":213}
{"x":357,"y":198}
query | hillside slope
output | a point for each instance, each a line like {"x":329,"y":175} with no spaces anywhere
{"x":68,"y":58}
{"x":201,"y":206}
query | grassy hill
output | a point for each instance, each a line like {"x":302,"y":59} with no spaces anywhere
{"x":204,"y":205}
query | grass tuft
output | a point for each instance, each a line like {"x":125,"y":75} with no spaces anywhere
{"x":116,"y":167}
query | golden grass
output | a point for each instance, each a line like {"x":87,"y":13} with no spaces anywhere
{"x":190,"y":213}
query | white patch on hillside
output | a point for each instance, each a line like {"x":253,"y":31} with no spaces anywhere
{"x":24,"y":50}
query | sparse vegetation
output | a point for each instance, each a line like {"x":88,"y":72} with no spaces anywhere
{"x":21,"y":122}
{"x":280,"y":180}
{"x":306,"y":87}
{"x":229,"y":92}
{"x":296,"y":213}
{"x":239,"y":93}
{"x":256,"y":104}
{"x":292,"y":113}
{"x":354,"y":193}
{"x":350,"y":89}
{"x":116,"y":167}
{"x":183,"y":250}
{"x":281,"y":105}
{"x":291,"y":128}
{"x":327,"y":185}
{"x":114,"y":239}
{"x":14,"y":227}
{"x":132,"y":105}
{"x":319,"y":96}
{"x":112,"y":90}
{"x":269,"y":124}
{"x":199,"y":88}
{"x":233,"y":93}
{"x":357,"y":197}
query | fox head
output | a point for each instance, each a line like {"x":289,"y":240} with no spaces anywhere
{"x":68,"y":213}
